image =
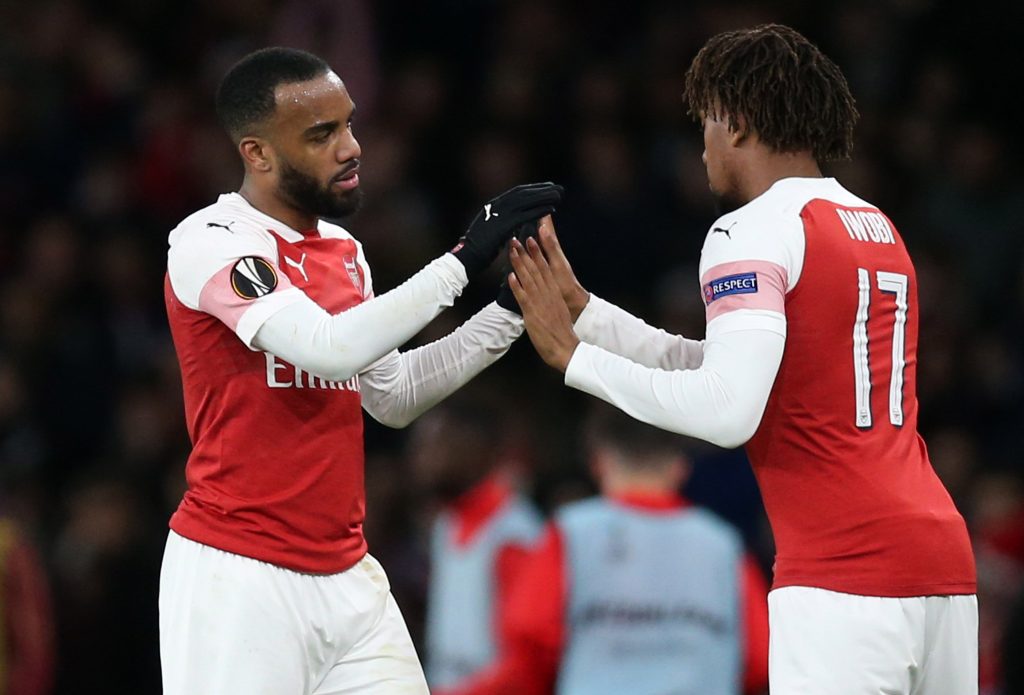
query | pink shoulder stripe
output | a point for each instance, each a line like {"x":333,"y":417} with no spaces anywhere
{"x":751,"y":284}
{"x":220,"y":299}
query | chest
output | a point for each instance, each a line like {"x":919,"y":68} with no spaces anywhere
{"x":327,"y":270}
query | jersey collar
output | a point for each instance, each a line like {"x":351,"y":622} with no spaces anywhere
{"x":650,"y":501}
{"x":270,"y":223}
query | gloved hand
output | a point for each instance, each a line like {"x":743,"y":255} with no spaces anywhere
{"x":499,"y":218}
{"x":505,"y":298}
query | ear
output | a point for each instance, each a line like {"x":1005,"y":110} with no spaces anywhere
{"x":256,"y":153}
{"x":739,"y":133}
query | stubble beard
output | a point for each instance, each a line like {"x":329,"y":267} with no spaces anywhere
{"x":305,"y":193}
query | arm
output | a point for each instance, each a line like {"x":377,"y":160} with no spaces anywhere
{"x":721,"y":402}
{"x":754,"y":609}
{"x":339,"y":346}
{"x":607,"y":326}
{"x":531,"y":626}
{"x":232,"y":274}
{"x":402,"y":386}
{"x":603,"y":324}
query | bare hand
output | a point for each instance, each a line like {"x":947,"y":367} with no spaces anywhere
{"x":545,"y":312}
{"x":575,"y":296}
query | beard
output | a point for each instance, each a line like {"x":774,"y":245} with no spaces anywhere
{"x":306,"y":194}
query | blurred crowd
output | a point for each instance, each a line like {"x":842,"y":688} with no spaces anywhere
{"x":108,"y":138}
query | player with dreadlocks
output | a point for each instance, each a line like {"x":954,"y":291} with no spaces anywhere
{"x":810,"y":360}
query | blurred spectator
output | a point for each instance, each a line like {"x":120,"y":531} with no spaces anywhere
{"x":635,"y":590}
{"x":480,"y":539}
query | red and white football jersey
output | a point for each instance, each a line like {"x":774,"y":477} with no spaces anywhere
{"x":276,"y":470}
{"x":852,"y":498}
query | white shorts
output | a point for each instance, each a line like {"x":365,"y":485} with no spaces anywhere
{"x":231,"y":625}
{"x":828,"y":643}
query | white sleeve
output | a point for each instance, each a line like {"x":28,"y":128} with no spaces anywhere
{"x":720,"y":402}
{"x":338,"y":347}
{"x":750,"y":260}
{"x":402,"y":386}
{"x":607,"y":326}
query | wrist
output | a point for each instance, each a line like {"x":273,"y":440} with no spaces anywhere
{"x":562,"y":362}
{"x":471,"y":258}
{"x":577,"y":302}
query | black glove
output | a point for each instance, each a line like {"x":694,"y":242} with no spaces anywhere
{"x":494,"y":224}
{"x":505,"y":298}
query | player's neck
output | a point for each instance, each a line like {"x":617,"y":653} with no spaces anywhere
{"x":771,"y":167}
{"x":270,"y":204}
{"x":651,"y":483}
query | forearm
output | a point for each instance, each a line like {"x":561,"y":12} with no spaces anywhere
{"x":720,"y":402}
{"x":607,"y":326}
{"x":403,"y":386}
{"x":336,"y":347}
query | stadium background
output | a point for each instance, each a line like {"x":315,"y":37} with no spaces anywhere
{"x":107,"y":139}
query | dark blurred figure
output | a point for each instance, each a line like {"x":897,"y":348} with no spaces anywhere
{"x":107,"y":568}
{"x":479,"y":539}
{"x":1013,"y":683}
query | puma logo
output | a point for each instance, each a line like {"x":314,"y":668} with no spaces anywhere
{"x":298,"y":265}
{"x":724,"y":230}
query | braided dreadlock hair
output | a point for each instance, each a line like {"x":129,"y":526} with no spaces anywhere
{"x":786,"y":90}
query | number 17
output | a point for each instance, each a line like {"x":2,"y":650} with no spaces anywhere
{"x":894,"y":283}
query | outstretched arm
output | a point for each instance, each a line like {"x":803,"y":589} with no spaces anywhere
{"x":338,"y":346}
{"x":279,"y":318}
{"x":721,"y":402}
{"x":603,"y":324}
{"x":402,"y":386}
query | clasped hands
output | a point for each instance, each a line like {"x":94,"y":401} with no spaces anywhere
{"x":548,"y":293}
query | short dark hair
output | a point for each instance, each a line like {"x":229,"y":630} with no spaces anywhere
{"x":789,"y":93}
{"x":637,"y":441}
{"x":245,"y":96}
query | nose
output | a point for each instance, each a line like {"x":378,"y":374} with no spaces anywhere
{"x":704,"y":157}
{"x":348,"y":147}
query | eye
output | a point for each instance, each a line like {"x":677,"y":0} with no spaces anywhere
{"x":321,"y":137}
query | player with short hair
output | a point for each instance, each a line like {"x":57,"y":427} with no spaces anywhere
{"x":810,"y":359}
{"x":266,"y":584}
